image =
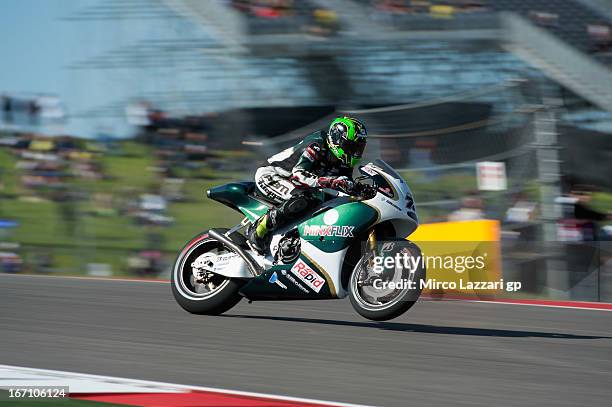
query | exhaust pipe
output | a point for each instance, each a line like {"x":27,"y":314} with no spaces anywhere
{"x":254,"y":268}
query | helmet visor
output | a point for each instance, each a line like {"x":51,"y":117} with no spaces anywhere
{"x":354,"y":148}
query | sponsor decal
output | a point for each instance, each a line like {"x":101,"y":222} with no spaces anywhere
{"x":295,"y":282}
{"x":274,"y":280}
{"x":327,"y":230}
{"x":224,"y":259}
{"x":392,"y":204}
{"x":308,"y":275}
{"x":221,"y":261}
{"x":386,"y":191}
{"x":387,"y":246}
{"x":368,"y":170}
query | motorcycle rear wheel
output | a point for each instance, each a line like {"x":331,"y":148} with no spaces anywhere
{"x":213,"y":298}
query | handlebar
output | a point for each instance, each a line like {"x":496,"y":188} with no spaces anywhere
{"x":363,"y":190}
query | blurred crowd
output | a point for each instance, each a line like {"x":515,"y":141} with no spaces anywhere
{"x":288,"y":15}
{"x":178,"y":141}
{"x":442,"y":9}
{"x":81,"y":179}
{"x":579,"y":220}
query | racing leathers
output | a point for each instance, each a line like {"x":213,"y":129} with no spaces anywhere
{"x":289,"y":178}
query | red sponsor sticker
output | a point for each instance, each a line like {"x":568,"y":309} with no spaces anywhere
{"x":308,"y":275}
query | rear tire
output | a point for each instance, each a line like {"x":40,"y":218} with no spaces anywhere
{"x":215,"y":302}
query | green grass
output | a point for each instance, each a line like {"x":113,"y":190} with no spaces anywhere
{"x":8,"y":175}
{"x":133,"y":168}
{"x":192,"y":218}
{"x":108,"y":237}
{"x":39,"y":222}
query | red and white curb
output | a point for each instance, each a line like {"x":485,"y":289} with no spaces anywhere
{"x":144,"y":393}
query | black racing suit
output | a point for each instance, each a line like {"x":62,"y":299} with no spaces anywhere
{"x":288,"y":178}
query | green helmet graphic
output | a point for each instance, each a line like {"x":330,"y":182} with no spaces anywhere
{"x":347,"y":139}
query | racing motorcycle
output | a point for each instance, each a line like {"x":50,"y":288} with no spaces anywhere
{"x":330,"y":252}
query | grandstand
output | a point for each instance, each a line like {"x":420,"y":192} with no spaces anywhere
{"x":262,"y":56}
{"x":382,"y":54}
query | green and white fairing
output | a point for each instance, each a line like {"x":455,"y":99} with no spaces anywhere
{"x":325,"y":236}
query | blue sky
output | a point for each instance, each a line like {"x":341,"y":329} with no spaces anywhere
{"x":34,"y":42}
{"x":38,"y":44}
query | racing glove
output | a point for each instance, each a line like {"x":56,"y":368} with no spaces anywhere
{"x":343,"y":184}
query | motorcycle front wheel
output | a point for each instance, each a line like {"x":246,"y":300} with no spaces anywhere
{"x":212,"y":295}
{"x":374,"y":297}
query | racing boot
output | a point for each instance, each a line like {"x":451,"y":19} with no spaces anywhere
{"x":258,"y":233}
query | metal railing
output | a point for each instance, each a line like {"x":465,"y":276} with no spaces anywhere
{"x":565,"y":64}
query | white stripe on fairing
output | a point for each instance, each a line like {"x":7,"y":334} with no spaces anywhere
{"x":88,"y":383}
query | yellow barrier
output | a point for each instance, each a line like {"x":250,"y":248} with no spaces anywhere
{"x":441,"y":11}
{"x":461,"y":257}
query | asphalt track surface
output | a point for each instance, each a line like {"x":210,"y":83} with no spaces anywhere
{"x":449,"y":353}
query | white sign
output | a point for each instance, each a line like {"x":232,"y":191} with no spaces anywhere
{"x":491,"y":176}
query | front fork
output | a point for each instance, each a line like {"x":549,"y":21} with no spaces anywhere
{"x":371,"y":247}
{"x":367,"y":274}
{"x":372,"y":241}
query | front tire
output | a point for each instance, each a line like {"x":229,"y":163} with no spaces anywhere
{"x":391,"y":303}
{"x":213,"y":298}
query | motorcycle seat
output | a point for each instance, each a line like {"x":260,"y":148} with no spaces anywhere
{"x":254,"y":193}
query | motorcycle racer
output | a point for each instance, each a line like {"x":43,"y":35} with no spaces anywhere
{"x":324,"y":159}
